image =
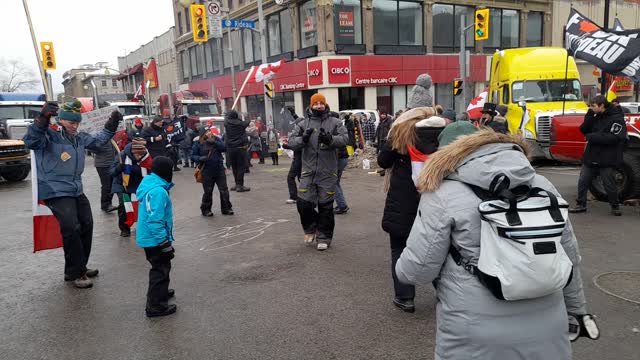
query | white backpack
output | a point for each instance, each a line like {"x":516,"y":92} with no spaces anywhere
{"x":521,"y":256}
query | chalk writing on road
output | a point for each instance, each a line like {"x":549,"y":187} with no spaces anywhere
{"x":229,"y":236}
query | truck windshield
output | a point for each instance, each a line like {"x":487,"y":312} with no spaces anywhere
{"x":201,"y":109}
{"x":546,"y":90}
{"x":19,"y":111}
{"x":132,"y":110}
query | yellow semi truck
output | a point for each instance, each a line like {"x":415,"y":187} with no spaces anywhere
{"x":538,"y":79}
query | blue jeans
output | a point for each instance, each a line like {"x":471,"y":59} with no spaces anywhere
{"x":340,"y":200}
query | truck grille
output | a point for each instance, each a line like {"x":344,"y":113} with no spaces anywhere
{"x":543,"y":130}
{"x":10,"y":151}
{"x":17,"y":132}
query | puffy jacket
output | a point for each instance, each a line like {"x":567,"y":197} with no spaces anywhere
{"x":401,"y":205}
{"x":105,"y":155}
{"x":235,"y":135}
{"x":382,"y":132}
{"x":214,"y":164}
{"x":60,"y":159}
{"x":155,"y":212}
{"x":156,"y":148}
{"x":606,"y":135}
{"x":470,"y":320}
{"x":136,"y":174}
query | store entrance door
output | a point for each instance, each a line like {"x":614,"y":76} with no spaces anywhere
{"x":350,"y":98}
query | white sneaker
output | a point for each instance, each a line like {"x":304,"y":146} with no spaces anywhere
{"x":291,"y":201}
{"x":309,"y":238}
{"x":322,"y":246}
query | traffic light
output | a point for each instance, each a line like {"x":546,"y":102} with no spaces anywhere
{"x":457,"y":87}
{"x":482,"y":24}
{"x":199,"y":23}
{"x":48,"y":57}
{"x":268,"y":89}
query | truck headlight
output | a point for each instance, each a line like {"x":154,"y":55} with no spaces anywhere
{"x":528,"y":134}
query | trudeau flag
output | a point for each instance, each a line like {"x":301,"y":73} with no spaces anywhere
{"x":477,"y":104}
{"x":264,"y":72}
{"x":46,"y":229}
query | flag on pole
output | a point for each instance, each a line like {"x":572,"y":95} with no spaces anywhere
{"x":46,"y":229}
{"x":477,"y":104}
{"x":264,"y":72}
{"x":417,"y":162}
{"x":612,"y":92}
{"x":131,"y":208}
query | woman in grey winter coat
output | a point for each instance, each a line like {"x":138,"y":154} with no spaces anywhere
{"x":471,"y":322}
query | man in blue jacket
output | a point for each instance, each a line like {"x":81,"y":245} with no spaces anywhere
{"x":59,"y":155}
{"x":155,"y":234}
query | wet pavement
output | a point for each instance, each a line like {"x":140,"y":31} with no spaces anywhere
{"x":248,"y":288}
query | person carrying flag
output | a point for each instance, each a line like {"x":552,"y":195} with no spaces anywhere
{"x":60,"y":156}
{"x":128,"y":169}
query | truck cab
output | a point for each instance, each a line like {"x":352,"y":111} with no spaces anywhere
{"x":131,"y":110}
{"x":17,"y":112}
{"x":196,"y":106}
{"x":541,"y":80}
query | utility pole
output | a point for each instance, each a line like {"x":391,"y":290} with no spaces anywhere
{"x":45,"y":83}
{"x":603,"y":79}
{"x":463,"y":59}
{"x":268,"y":106}
{"x":233,"y":70}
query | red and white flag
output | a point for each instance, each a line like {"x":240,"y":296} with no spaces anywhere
{"x":46,"y":229}
{"x":140,"y":90}
{"x":131,"y":208}
{"x":477,"y":104}
{"x":264,"y":72}
{"x":417,"y":162}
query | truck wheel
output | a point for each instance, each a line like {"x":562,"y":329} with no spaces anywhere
{"x":14,"y":174}
{"x":627,"y":178}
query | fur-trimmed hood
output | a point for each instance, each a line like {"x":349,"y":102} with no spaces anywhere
{"x":476,"y":159}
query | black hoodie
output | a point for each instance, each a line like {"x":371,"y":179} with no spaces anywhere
{"x":234,"y":130}
{"x":606,"y":135}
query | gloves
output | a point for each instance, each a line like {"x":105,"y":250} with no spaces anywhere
{"x":583,"y":326}
{"x":167,"y":249}
{"x":114,"y":120}
{"x":324,"y":137}
{"x":307,"y":135}
{"x":286,"y":146}
{"x":49,"y":109}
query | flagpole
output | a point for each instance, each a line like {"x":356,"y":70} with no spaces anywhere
{"x":47,"y":91}
{"x":564,"y":89}
{"x":603,"y":80}
{"x":246,"y":79}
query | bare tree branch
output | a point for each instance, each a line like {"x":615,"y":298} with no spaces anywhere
{"x":15,"y":76}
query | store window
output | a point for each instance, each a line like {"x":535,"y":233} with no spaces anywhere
{"x":257,"y":49}
{"x":286,"y":31}
{"x":397,"y":22}
{"x":534,"y":28}
{"x":184,"y":57}
{"x":384,"y":99}
{"x":247,"y":41}
{"x":255,"y":106}
{"x":504,"y":30}
{"x":306,"y":97}
{"x":351,"y":98}
{"x":273,"y":26}
{"x":103,"y":83}
{"x":444,"y":94}
{"x":280,"y":102}
{"x":236,"y":44}
{"x":114,"y":83}
{"x":280,"y":33}
{"x":308,"y":24}
{"x":187,"y":21}
{"x":195,"y":63}
{"x":348,"y":21}
{"x":213,"y":63}
{"x":446,"y":27}
{"x":399,"y":97}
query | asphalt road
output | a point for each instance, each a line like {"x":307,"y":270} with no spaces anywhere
{"x":248,"y":288}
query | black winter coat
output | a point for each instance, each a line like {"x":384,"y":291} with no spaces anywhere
{"x":606,"y":135}
{"x":156,"y":148}
{"x":402,"y":201}
{"x":235,"y":132}
{"x":214,"y":164}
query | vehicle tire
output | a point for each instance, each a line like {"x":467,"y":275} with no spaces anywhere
{"x":17,"y":173}
{"x":627,"y":178}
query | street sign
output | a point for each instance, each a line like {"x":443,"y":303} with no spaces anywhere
{"x":239,"y":24}
{"x":213,"y":8}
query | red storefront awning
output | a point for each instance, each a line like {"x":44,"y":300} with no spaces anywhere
{"x":130,"y":71}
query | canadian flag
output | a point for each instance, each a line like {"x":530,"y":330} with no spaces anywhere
{"x":612,"y":92}
{"x":264,"y":72}
{"x":46,"y":229}
{"x":417,"y":163}
{"x":477,"y":104}
{"x":140,"y":90}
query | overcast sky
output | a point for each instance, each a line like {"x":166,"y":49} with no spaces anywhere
{"x":82,"y":31}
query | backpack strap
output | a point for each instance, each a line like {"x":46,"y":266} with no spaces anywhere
{"x":461,"y":261}
{"x":554,"y":206}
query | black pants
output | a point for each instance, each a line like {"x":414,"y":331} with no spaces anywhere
{"x":122,"y":213}
{"x":76,"y":227}
{"x":173,"y":155}
{"x":319,"y":222}
{"x":105,"y":187}
{"x":402,"y":291}
{"x":238,"y":159}
{"x":158,"y":292}
{"x":294,"y":172}
{"x":208,"y":184}
{"x":586,"y":177}
{"x":274,"y":158}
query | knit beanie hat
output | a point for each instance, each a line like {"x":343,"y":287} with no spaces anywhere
{"x":71,"y":111}
{"x":138,"y":121}
{"x":420,"y":95}
{"x":163,"y":167}
{"x":138,"y":146}
{"x":449,"y":114}
{"x":317,"y":97}
{"x":453,"y":131}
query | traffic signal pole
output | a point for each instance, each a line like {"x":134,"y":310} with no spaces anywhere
{"x":463,"y":60}
{"x":268,"y":106}
{"x":45,"y":82}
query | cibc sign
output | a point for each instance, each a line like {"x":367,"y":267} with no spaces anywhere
{"x":314,"y":72}
{"x":339,"y":71}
